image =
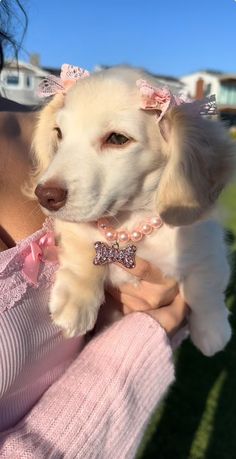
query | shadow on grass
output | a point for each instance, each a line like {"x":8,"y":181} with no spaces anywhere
{"x":199,"y":416}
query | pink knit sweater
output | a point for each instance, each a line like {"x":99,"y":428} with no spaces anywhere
{"x":56,"y":403}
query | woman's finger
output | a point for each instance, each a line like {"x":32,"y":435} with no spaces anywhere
{"x":155,"y":295}
{"x":145,"y":271}
{"x":128,"y":303}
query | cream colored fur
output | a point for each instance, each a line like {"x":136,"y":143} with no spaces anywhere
{"x":178,"y":175}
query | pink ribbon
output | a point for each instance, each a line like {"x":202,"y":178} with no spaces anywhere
{"x":42,"y":251}
{"x":162,"y":99}
{"x":52,"y":85}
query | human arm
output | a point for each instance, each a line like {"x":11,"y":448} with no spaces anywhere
{"x":121,"y":375}
{"x":103,"y":401}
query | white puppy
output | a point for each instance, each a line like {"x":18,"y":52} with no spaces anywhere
{"x":100,"y":155}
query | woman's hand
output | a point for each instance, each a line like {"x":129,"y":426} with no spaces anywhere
{"x":171,"y":317}
{"x":152,"y":291}
{"x":155,"y":295}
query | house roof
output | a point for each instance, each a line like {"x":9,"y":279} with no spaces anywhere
{"x":212,"y":72}
{"x":52,"y":70}
{"x":221,"y":75}
{"x":167,"y":77}
{"x":27,"y":66}
{"x":228,"y":76}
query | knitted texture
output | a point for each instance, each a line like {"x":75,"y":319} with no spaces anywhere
{"x":101,"y":405}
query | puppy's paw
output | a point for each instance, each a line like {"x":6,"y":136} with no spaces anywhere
{"x":75,"y":311}
{"x":211,"y":332}
{"x":75,"y":318}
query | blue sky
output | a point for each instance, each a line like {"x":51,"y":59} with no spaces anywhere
{"x":172,"y":37}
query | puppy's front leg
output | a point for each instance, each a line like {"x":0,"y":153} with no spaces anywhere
{"x":78,"y":291}
{"x":203,"y":290}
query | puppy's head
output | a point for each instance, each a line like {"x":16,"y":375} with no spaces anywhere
{"x":98,"y":154}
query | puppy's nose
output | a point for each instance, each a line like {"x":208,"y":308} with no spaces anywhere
{"x":51,"y":195}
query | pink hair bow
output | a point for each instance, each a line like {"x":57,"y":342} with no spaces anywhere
{"x":52,"y":85}
{"x":42,"y":251}
{"x":162,"y":99}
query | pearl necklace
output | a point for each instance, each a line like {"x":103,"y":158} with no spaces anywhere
{"x":145,"y":228}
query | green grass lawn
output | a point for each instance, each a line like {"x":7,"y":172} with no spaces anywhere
{"x":198,"y":418}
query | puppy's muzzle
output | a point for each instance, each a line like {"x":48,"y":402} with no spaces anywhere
{"x":51,"y":196}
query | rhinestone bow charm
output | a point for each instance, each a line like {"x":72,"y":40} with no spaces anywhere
{"x":111,"y":254}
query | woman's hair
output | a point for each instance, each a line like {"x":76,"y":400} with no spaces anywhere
{"x":13,"y":26}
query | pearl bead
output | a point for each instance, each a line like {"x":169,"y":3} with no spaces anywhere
{"x":136,"y":236}
{"x":123,"y":236}
{"x":146,"y":228}
{"x":111,"y":234}
{"x":155,"y":222}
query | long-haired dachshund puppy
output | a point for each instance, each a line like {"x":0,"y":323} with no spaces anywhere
{"x":129,"y":167}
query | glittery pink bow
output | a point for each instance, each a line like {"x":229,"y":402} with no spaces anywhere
{"x":112,"y":254}
{"x":52,"y":85}
{"x":162,"y":99}
{"x":42,"y":251}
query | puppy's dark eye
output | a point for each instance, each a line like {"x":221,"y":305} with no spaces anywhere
{"x":58,"y":132}
{"x":116,"y":139}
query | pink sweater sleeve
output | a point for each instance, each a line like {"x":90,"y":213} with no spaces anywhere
{"x":103,"y":402}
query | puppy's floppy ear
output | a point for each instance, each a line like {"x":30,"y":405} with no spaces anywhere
{"x":200,"y":161}
{"x":44,"y":142}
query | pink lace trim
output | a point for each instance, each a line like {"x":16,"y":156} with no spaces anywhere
{"x":13,"y":283}
{"x":52,"y":85}
{"x":162,"y":99}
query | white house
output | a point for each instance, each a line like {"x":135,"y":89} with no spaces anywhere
{"x":223,"y":85}
{"x":19,"y":82}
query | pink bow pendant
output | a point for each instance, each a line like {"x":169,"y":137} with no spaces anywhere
{"x":42,"y":251}
{"x":111,"y":254}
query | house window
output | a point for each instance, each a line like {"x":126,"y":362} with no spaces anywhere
{"x":12,"y":80}
{"x":207,"y":89}
{"x":227,"y":94}
{"x":28,"y":81}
